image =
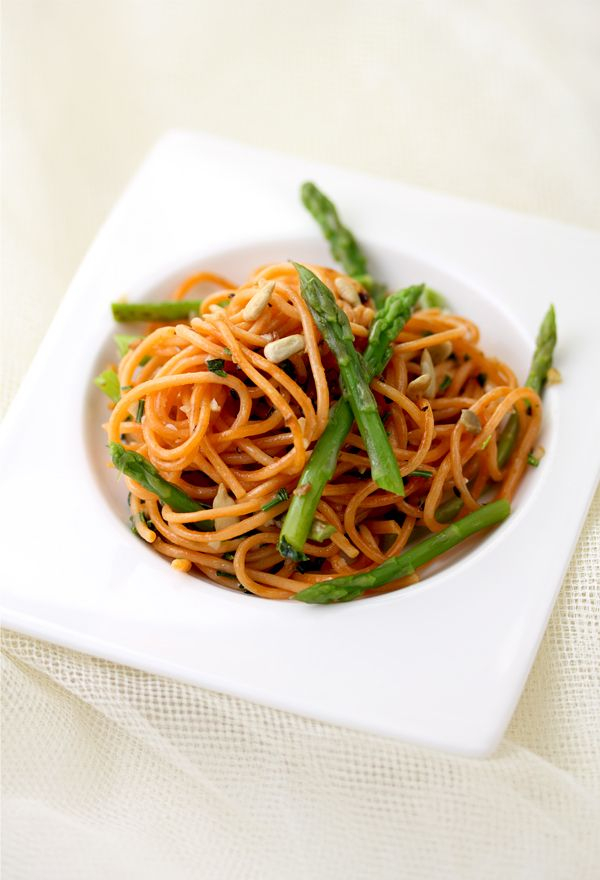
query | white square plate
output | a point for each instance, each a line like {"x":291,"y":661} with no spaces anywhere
{"x":441,"y":663}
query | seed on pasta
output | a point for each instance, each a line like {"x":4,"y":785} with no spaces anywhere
{"x":470,"y":421}
{"x":281,"y":349}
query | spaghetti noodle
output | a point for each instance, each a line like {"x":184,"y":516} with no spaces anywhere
{"x":233,"y":428}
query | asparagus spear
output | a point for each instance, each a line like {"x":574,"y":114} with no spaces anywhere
{"x":143,"y":472}
{"x":344,"y":247}
{"x":544,"y":349}
{"x":538,"y":372}
{"x":507,"y":439}
{"x":343,"y":589}
{"x":163,"y":311}
{"x":322,"y":463}
{"x":335,"y":329}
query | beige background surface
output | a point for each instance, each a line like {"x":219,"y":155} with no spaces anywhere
{"x":112,"y":773}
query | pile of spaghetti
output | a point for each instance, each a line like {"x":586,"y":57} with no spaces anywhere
{"x":229,"y":404}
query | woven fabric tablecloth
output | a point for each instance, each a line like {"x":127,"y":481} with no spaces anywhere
{"x":112,"y":773}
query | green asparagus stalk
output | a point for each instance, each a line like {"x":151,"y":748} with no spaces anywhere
{"x":162,"y":311}
{"x":335,"y":329}
{"x":323,"y":460}
{"x":507,"y":439}
{"x":343,"y":589}
{"x":544,"y":349}
{"x":138,"y":468}
{"x":344,"y":247}
{"x":450,"y":509}
{"x":538,"y":372}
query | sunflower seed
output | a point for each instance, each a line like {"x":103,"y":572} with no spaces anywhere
{"x":470,"y":421}
{"x":347,"y":290}
{"x":440,"y":352}
{"x":259,"y":301}
{"x":282,"y":349}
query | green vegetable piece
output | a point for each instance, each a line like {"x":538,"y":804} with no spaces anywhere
{"x":431,"y":299}
{"x":164,"y":311}
{"x":508,"y":438}
{"x":532,"y":460}
{"x":449,"y":510}
{"x":123,"y":342}
{"x":421,"y":473}
{"x":281,"y":495}
{"x":544,"y":350}
{"x":139,"y":413}
{"x":335,"y":329}
{"x":344,"y":247}
{"x":108,"y":381}
{"x":538,"y":373}
{"x":215,"y":365}
{"x":343,"y":589}
{"x":446,"y":382}
{"x":320,"y":531}
{"x":320,"y":468}
{"x":138,"y":468}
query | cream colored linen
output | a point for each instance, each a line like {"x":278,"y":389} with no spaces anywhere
{"x":112,"y":773}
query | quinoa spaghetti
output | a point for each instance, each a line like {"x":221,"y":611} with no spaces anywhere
{"x":225,"y":407}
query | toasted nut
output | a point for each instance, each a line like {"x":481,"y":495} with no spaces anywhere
{"x":215,"y":405}
{"x":539,"y":452}
{"x":553,"y":376}
{"x":418,"y":386}
{"x":181,"y":564}
{"x":223,"y":499}
{"x":347,"y":290}
{"x":470,"y":421}
{"x":440,"y":352}
{"x":425,"y":384}
{"x":258,"y":303}
{"x":282,"y":349}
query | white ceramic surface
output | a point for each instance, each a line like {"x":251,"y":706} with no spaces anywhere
{"x":441,"y":663}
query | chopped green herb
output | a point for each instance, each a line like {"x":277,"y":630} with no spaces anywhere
{"x":229,"y":556}
{"x":532,"y":460}
{"x":215,"y":365}
{"x":225,"y":574}
{"x":482,"y":378}
{"x":140,"y":517}
{"x":320,"y":531}
{"x":445,"y":383}
{"x":123,"y":342}
{"x":227,"y":352}
{"x":421,"y":473}
{"x":485,"y":443}
{"x":108,"y":381}
{"x":223,"y":303}
{"x":282,"y":495}
{"x":126,"y":387}
{"x":315,"y":563}
{"x":431,"y":299}
{"x":140,"y":410}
